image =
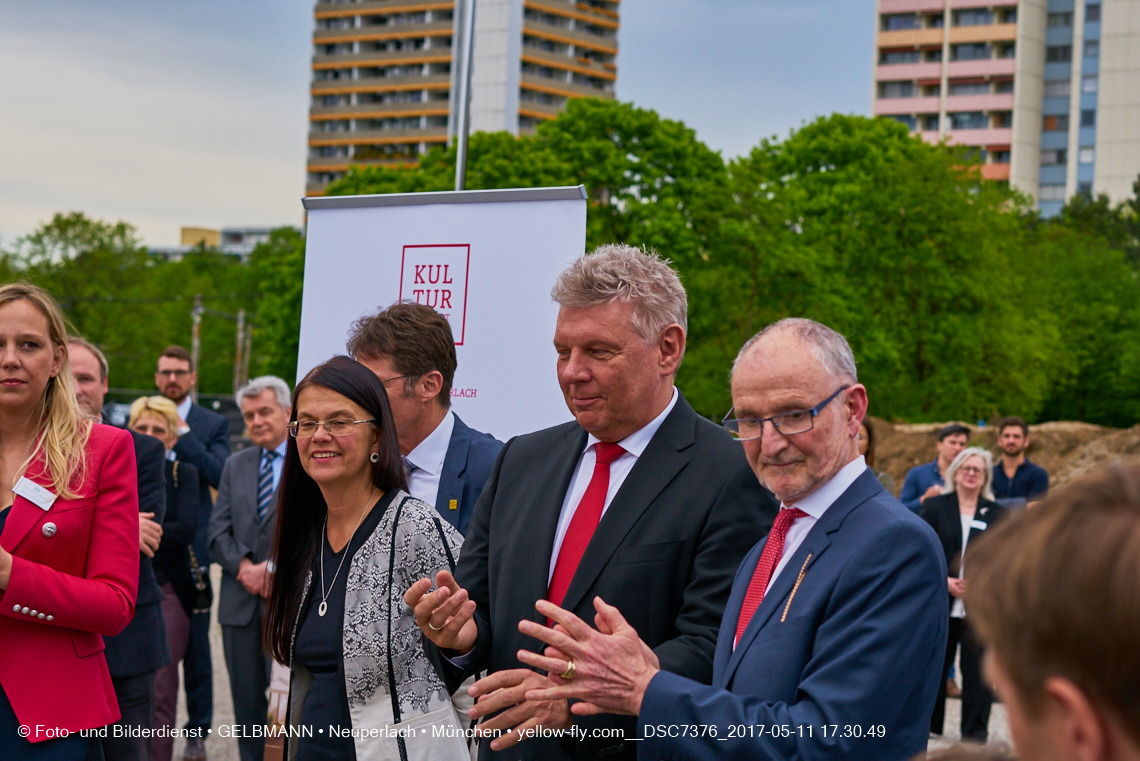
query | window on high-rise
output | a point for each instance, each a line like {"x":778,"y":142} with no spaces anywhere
{"x":1059,"y":20}
{"x":1084,"y":188}
{"x":896,"y":21}
{"x":935,"y":21}
{"x":1088,"y":118}
{"x":970,"y":51}
{"x":1086,"y":155}
{"x":932,"y":56}
{"x":1008,"y":15}
{"x":1003,"y":86}
{"x":929,"y":122}
{"x":899,"y":56}
{"x":1092,"y":49}
{"x":910,"y":122}
{"x":1058,"y":53}
{"x":1007,"y":50}
{"x":896,"y":89}
{"x":1055,"y":123}
{"x":1089,"y":83}
{"x":1051,"y":193}
{"x":1092,"y":13}
{"x":1000,"y":156}
{"x":931,"y":91}
{"x":973,"y":17}
{"x":1053,"y":157}
{"x":968,"y":88}
{"x":1002,"y":119}
{"x":968,"y":120}
{"x":1057,"y":88}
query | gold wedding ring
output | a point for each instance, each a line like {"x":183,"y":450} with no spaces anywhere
{"x":570,"y":671}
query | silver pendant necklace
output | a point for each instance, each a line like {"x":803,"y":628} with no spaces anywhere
{"x":324,"y":606}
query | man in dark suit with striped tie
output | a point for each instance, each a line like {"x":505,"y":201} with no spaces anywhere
{"x":241,"y":538}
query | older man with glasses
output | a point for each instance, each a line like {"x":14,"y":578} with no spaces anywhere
{"x":832,"y":640}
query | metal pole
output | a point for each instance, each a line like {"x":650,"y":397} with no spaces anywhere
{"x":245,"y":354}
{"x":196,"y":340}
{"x":238,"y":349}
{"x":464,"y":60}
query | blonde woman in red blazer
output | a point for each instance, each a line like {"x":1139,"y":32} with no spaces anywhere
{"x":68,"y":545}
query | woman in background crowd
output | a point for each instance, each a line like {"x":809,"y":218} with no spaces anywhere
{"x":336,"y":597}
{"x":69,"y":541}
{"x":158,"y":416}
{"x":959,"y":516}
{"x":867,"y":449}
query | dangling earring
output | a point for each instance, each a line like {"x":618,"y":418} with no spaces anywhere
{"x":375,"y":457}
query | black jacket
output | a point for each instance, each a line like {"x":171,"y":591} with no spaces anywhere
{"x":942,"y":514}
{"x":172,"y":561}
{"x":142,"y":646}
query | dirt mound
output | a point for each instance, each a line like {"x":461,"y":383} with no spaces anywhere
{"x":1065,"y":449}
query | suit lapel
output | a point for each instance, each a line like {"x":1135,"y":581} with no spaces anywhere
{"x":454,"y":463}
{"x":814,"y":545}
{"x":654,"y":469}
{"x":543,"y":519}
{"x":724,"y":640}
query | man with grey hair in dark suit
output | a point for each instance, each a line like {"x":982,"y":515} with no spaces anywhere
{"x":241,"y":540}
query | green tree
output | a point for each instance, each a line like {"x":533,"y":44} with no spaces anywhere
{"x":278,"y":268}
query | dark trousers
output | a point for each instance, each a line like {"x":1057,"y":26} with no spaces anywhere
{"x":249,"y":669}
{"x":198,"y":674}
{"x":136,"y":704}
{"x":976,"y":696}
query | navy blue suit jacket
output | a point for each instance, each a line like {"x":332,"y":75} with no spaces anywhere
{"x":470,"y":457}
{"x":206,"y":447}
{"x":849,"y":640}
{"x":142,"y":645}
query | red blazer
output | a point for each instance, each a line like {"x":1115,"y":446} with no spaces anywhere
{"x":79,"y":583}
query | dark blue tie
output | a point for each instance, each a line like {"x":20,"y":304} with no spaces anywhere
{"x":265,"y":485}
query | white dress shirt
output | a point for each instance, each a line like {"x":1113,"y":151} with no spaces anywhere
{"x":633,"y":444}
{"x":428,"y":457}
{"x":184,"y":407}
{"x":278,"y":463}
{"x":815,"y":505}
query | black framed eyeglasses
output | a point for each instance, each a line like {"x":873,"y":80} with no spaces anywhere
{"x":306,"y":429}
{"x":787,"y":423}
{"x":386,"y":381}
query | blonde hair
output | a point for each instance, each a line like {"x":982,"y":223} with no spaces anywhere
{"x":159,"y":405}
{"x":987,"y":485}
{"x":64,"y":426}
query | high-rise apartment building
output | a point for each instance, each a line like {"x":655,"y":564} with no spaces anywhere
{"x":1047,"y":91}
{"x":384,"y":89}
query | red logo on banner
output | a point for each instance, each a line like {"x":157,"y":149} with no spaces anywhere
{"x":436,"y":275}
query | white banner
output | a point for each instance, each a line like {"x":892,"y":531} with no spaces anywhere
{"x":484,"y":259}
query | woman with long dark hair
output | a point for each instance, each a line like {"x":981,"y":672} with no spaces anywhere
{"x":69,"y":541}
{"x":349,"y":541}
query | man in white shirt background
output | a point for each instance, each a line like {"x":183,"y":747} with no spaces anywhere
{"x":411,"y":349}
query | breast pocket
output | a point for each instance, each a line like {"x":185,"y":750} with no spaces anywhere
{"x":649,"y":553}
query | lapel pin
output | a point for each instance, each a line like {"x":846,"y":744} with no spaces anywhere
{"x":49,"y":530}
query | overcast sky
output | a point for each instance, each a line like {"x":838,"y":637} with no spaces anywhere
{"x":165,"y":114}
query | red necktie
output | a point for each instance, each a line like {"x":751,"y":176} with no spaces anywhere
{"x":769,"y":559}
{"x":585,"y":520}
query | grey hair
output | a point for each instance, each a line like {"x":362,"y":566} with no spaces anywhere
{"x":828,"y":346}
{"x":635,"y":276}
{"x":987,"y":486}
{"x":99,"y":356}
{"x":258,"y":385}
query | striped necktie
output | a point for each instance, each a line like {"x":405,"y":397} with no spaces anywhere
{"x":265,"y":485}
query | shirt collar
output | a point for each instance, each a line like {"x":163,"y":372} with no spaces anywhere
{"x":184,"y":407}
{"x":636,"y":442}
{"x":816,"y":503}
{"x":171,"y":455}
{"x":430,"y":453}
{"x":280,"y":450}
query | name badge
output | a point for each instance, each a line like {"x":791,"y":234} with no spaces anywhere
{"x":34,"y":493}
{"x":979,"y":525}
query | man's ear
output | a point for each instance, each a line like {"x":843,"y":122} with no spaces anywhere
{"x":672,"y":347}
{"x":430,"y":385}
